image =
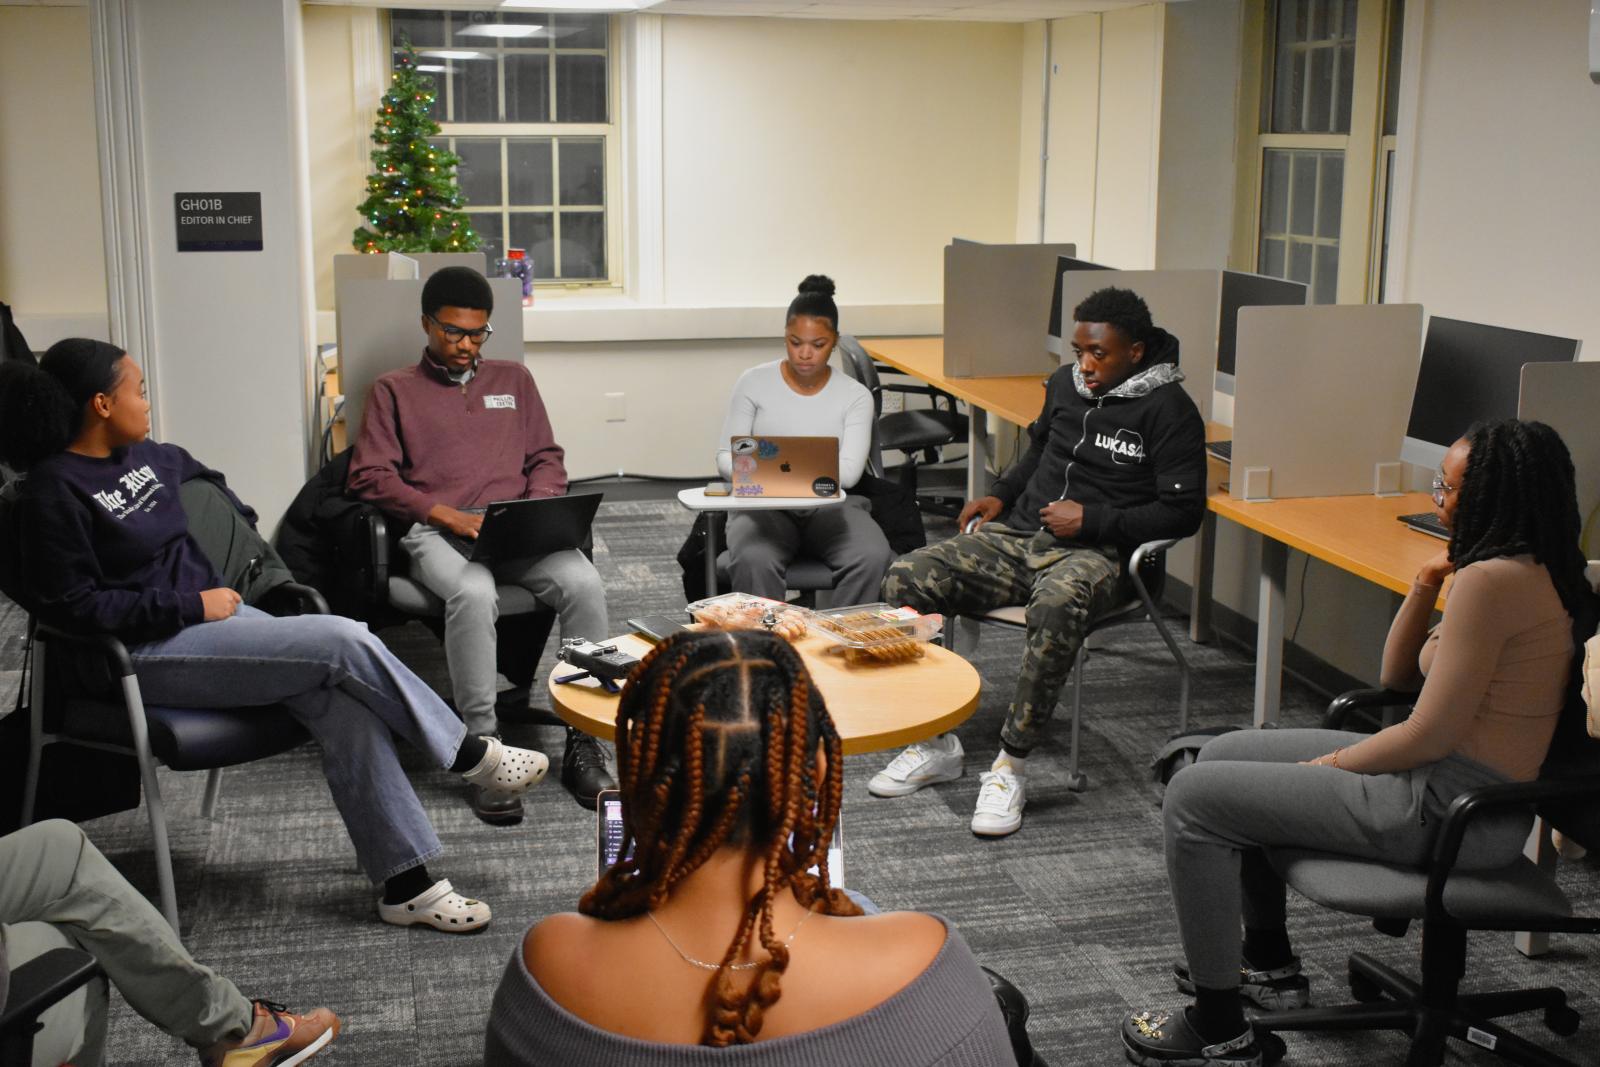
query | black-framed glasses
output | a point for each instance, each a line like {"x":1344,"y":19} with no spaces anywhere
{"x":456,"y":333}
{"x":1440,"y":488}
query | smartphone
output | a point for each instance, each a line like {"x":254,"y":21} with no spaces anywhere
{"x":608,"y":829}
{"x":718,"y":489}
{"x":656,"y":627}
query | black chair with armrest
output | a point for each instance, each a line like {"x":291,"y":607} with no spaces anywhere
{"x":35,"y":987}
{"x":1521,"y":896}
{"x":916,"y":432}
{"x":84,"y":692}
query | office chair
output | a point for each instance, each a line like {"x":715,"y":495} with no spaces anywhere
{"x":916,"y":432}
{"x":85,"y":692}
{"x":1521,"y":896}
{"x":35,"y":987}
{"x":1146,"y":571}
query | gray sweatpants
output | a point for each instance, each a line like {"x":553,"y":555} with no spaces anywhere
{"x":564,"y":581}
{"x":762,"y":544}
{"x":1248,"y":791}
{"x":56,"y":891}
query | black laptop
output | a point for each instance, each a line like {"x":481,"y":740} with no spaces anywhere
{"x":528,"y":529}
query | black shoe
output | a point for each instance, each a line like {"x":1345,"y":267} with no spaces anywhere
{"x":1277,"y":989}
{"x":583,"y":768}
{"x":494,"y":807}
{"x":1165,"y":1039}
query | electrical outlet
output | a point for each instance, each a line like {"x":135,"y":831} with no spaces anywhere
{"x":616,"y":407}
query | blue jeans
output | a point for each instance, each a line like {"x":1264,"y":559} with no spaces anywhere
{"x":348,"y":691}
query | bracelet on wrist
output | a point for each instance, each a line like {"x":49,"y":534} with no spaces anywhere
{"x":1333,"y":760}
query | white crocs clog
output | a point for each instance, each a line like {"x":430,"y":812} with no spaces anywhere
{"x":440,"y":907}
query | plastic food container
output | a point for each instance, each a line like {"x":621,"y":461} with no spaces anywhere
{"x":877,"y":633}
{"x":742,"y":611}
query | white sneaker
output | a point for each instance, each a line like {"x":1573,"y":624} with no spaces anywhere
{"x":1000,"y":799}
{"x":924,"y":763}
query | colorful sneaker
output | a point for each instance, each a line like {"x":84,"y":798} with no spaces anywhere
{"x":924,"y":763}
{"x":1165,"y":1039}
{"x":1275,"y":989}
{"x":290,"y":1039}
{"x":1001,"y":796}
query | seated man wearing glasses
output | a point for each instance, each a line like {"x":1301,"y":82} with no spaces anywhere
{"x":440,"y":441}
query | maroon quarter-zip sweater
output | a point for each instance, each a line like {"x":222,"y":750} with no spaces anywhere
{"x":426,"y":440}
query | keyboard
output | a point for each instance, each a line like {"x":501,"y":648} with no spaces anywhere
{"x":1426,"y":522}
{"x":1223,"y":450}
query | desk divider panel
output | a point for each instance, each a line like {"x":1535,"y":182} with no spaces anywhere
{"x":997,"y":308}
{"x":380,"y":328}
{"x":1321,"y":398}
{"x":1185,"y":303}
{"x":1566,"y":396}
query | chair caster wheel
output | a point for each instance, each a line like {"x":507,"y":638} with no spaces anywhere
{"x":1562,"y":1020}
{"x":1364,"y":989}
{"x":1077,"y":782}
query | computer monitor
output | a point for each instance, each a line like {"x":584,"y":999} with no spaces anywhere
{"x":1470,"y":372}
{"x":1246,"y":290}
{"x":1052,"y":340}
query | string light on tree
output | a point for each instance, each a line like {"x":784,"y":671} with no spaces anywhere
{"x":413,"y":203}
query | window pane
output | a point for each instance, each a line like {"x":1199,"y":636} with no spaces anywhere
{"x":527,"y":87}
{"x":1300,"y":263}
{"x":528,"y":167}
{"x":1391,"y":69}
{"x":1275,"y":192}
{"x":1326,"y":288}
{"x":491,"y":232}
{"x":421,"y":28}
{"x":583,"y":244}
{"x":579,"y":31}
{"x":1330,"y":196}
{"x":1313,"y":59}
{"x":1303,"y":206}
{"x":1272,"y":258}
{"x":536,"y":232}
{"x":580,"y":88}
{"x":477,"y":98}
{"x":583,"y":171}
{"x":479,"y":172}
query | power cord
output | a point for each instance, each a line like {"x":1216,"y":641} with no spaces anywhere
{"x":1305,"y":565}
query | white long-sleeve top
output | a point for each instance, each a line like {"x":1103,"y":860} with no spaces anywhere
{"x":764,"y":404}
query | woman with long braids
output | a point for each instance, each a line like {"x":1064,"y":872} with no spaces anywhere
{"x":720,"y":927}
{"x":105,"y":548}
{"x":1493,"y":677}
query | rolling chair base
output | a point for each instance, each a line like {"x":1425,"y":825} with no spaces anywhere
{"x":1388,"y":1000}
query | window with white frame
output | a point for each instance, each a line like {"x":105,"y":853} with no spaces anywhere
{"x":1314,"y":167}
{"x":526,"y":99}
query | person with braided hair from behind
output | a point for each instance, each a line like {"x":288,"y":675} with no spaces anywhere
{"x":720,"y":926}
{"x":1493,"y":678}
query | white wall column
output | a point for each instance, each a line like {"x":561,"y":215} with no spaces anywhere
{"x":204,"y":96}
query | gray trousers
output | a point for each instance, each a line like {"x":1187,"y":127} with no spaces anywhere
{"x":762,"y":544}
{"x":58,"y":891}
{"x":564,"y":581}
{"x":1248,"y":791}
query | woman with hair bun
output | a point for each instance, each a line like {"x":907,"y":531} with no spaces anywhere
{"x":719,"y":926}
{"x":105,"y":548}
{"x":801,"y":396}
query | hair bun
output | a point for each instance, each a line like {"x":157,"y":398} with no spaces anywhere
{"x":818,"y":283}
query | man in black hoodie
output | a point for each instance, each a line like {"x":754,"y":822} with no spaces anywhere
{"x":1116,"y":458}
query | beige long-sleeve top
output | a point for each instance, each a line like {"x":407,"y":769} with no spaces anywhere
{"x":1493,"y":673}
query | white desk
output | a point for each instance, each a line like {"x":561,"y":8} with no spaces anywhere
{"x":697,"y":500}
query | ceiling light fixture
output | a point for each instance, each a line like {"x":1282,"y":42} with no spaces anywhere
{"x":498,"y":29}
{"x":594,"y":6}
{"x":432,"y":68}
{"x":450,"y":53}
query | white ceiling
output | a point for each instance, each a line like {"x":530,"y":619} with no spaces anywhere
{"x":947,"y":10}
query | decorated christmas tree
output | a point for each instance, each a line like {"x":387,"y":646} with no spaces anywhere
{"x":413,"y":202}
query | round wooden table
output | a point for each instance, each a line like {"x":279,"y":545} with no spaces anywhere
{"x":874,"y":707}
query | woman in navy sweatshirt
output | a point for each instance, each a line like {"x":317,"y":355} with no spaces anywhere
{"x":105,"y":547}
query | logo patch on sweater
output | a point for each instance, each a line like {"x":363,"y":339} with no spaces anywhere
{"x":141,"y":483}
{"x":1125,"y":446}
{"x":500,"y":400}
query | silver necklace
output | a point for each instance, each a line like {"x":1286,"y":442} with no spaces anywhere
{"x":704,"y":966}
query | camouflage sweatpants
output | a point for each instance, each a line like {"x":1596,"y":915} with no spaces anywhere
{"x":1063,"y":586}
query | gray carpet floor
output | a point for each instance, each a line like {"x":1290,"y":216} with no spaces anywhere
{"x":1074,"y":908}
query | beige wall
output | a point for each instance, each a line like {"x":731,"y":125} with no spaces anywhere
{"x":52,"y":261}
{"x":854,"y":148}
{"x":1503,"y":226}
{"x":337,"y":136}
